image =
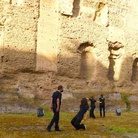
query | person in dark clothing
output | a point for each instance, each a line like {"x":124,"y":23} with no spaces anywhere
{"x":92,"y":105}
{"x":55,"y":106}
{"x":102,"y":106}
{"x":78,"y":118}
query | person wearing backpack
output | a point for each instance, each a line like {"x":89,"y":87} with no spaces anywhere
{"x":102,"y":106}
{"x":55,"y":106}
{"x":76,"y":121}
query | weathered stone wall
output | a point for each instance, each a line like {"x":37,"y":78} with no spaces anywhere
{"x":82,"y":37}
{"x":98,"y":41}
{"x":123,"y":18}
{"x":19,"y":21}
{"x":47,"y":36}
{"x":86,"y":45}
{"x":94,"y":39}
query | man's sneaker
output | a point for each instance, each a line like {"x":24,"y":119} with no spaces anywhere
{"x":48,"y":129}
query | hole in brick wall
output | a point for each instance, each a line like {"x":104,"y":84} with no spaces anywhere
{"x":87,"y":60}
{"x":2,"y":59}
{"x":10,"y":1}
{"x":76,"y":7}
{"x":86,"y":65}
{"x":134,"y":76}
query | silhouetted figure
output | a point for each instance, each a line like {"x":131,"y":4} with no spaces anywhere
{"x":102,"y":106}
{"x":76,"y":121}
{"x":55,"y":106}
{"x":92,"y":105}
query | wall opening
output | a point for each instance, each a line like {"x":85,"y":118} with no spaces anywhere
{"x":134,"y":77}
{"x":76,"y":8}
{"x":87,"y":64}
{"x":115,"y":60}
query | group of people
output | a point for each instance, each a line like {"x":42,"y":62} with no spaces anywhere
{"x":84,"y":107}
{"x":101,"y":106}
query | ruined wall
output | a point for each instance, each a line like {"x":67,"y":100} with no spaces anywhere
{"x":93,"y":40}
{"x":47,"y":36}
{"x":18,"y":18}
{"x":88,"y":46}
{"x":123,"y":18}
{"x":105,"y":31}
{"x":82,"y":37}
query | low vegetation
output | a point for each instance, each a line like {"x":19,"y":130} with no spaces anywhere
{"x":30,"y":126}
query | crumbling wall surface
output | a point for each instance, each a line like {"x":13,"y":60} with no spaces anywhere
{"x":88,"y":46}
{"x":19,"y":21}
{"x":109,"y":28}
{"x":47,"y":36}
{"x":123,"y":25}
{"x":84,"y":27}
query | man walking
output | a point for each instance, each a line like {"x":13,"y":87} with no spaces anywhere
{"x":55,"y":106}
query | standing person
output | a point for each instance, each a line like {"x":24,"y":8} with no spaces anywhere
{"x":102,"y":106}
{"x":78,"y":118}
{"x":55,"y":106}
{"x":92,"y":105}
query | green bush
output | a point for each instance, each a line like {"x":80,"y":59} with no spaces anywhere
{"x":125,"y":98}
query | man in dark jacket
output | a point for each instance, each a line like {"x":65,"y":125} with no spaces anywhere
{"x":92,"y":105}
{"x":102,"y":106}
{"x":55,"y":106}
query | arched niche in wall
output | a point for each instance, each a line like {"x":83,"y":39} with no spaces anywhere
{"x":134,"y":77}
{"x":115,"y":60}
{"x":87,"y":60}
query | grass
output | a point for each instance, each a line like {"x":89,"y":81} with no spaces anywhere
{"x":123,"y":130}
{"x":30,"y":126}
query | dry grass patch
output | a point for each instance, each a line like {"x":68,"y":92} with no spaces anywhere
{"x":30,"y":126}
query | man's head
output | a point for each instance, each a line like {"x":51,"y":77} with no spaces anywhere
{"x":60,"y":88}
{"x":102,"y":95}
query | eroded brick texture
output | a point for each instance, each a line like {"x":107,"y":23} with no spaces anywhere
{"x":19,"y":22}
{"x":92,"y":44}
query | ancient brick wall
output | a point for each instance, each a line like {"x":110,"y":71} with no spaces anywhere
{"x":19,"y":22}
{"x":47,"y":36}
{"x":78,"y":30}
{"x":89,"y":40}
{"x":107,"y":32}
{"x":123,"y":24}
{"x":88,"y":46}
